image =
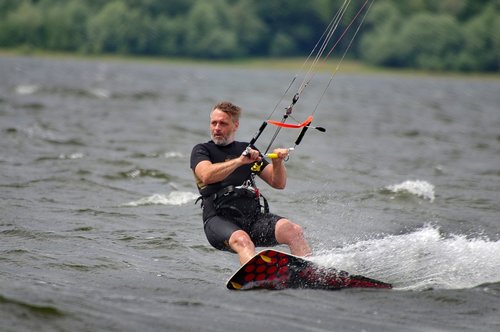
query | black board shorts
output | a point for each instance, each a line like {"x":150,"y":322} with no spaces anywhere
{"x":218,"y":230}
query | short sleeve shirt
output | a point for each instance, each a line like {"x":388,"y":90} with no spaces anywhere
{"x":217,"y":154}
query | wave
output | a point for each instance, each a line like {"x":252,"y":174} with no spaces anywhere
{"x":423,"y":259}
{"x":139,"y":172}
{"x":40,"y":131}
{"x":419,"y":188}
{"x":26,"y":89}
{"x":166,"y":155}
{"x":47,"y":311}
{"x":63,"y":156}
{"x":173,"y":198}
{"x":173,"y":154}
{"x":91,"y":92}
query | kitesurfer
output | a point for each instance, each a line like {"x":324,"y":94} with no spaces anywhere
{"x":236,"y":216}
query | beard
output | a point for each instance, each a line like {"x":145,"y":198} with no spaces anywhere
{"x":222,"y":140}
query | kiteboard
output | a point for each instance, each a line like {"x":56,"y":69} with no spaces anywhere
{"x":272,"y":269}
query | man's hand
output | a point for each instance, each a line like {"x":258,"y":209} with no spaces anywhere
{"x":250,"y":156}
{"x":281,"y":154}
{"x":275,"y":174}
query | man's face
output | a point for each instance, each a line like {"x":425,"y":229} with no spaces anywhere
{"x":222,"y":127}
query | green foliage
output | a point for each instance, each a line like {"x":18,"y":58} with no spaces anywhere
{"x":154,"y":8}
{"x":430,"y":41}
{"x":294,"y":24}
{"x":22,"y":26}
{"x":248,"y":27}
{"x":429,"y":34}
{"x":7,"y":6}
{"x":117,"y":29}
{"x":379,"y":45}
{"x":281,"y":45}
{"x":209,"y":34}
{"x":65,"y":26}
{"x":481,"y":51}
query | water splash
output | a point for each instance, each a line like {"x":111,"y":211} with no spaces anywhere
{"x":420,"y":260}
{"x":173,"y":154}
{"x":140,"y":172}
{"x":173,"y":198}
{"x":27,"y":89}
{"x":72,"y":156}
{"x":100,"y":93}
{"x":418,"y":188}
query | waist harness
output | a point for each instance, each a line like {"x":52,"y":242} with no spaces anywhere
{"x":238,"y":202}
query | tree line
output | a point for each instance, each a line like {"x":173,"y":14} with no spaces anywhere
{"x":459,"y":35}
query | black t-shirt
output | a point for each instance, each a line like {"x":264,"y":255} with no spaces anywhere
{"x":216,"y":154}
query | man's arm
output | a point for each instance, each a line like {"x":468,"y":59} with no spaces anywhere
{"x":209,"y":172}
{"x":275,"y":174}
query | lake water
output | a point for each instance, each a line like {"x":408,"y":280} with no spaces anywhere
{"x":99,"y":231}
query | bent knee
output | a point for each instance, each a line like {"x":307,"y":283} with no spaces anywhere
{"x":285,"y":229}
{"x":240,"y":239}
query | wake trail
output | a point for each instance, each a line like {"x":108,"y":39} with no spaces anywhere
{"x":423,"y":259}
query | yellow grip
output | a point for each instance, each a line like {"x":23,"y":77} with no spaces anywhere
{"x":272,"y":155}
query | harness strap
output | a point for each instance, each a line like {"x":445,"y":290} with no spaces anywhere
{"x":238,"y":191}
{"x":266,"y":205}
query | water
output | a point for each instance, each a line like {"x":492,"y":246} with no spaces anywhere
{"x":99,"y":230}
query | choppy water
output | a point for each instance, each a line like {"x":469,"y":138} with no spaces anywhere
{"x":99,"y":231}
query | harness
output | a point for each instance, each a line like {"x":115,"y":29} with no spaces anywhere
{"x":237,"y":201}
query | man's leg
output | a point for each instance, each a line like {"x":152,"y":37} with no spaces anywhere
{"x":241,"y":243}
{"x":292,"y":235}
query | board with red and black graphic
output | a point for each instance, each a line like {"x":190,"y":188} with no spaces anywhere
{"x":271,"y":269}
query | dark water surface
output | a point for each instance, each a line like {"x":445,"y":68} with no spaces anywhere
{"x":99,"y":231}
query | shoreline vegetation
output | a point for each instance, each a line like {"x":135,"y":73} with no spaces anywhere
{"x":348,"y":66}
{"x":410,"y":36}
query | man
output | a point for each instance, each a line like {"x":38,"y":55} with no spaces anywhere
{"x":232,"y":213}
